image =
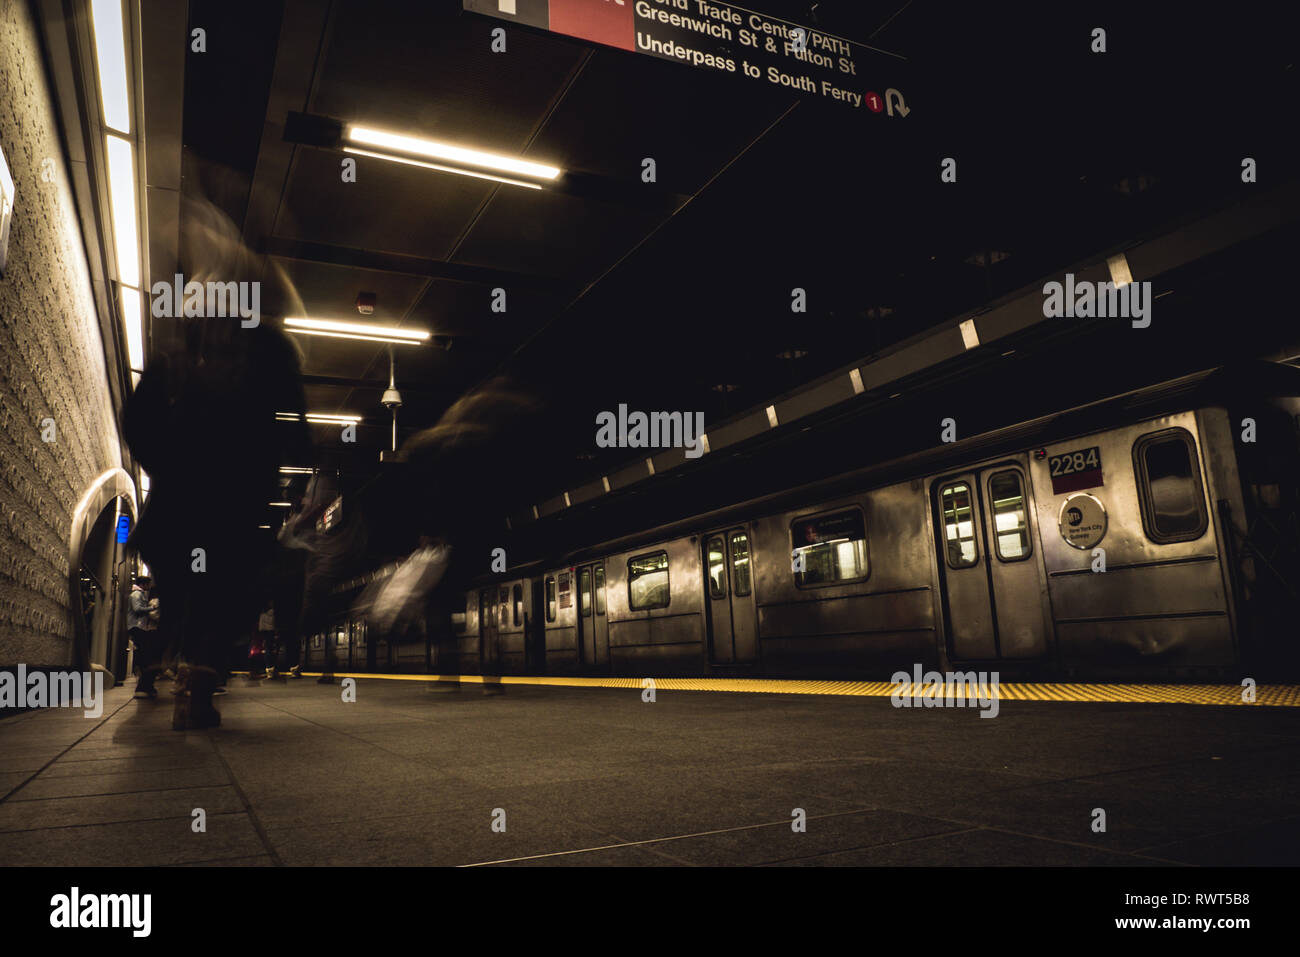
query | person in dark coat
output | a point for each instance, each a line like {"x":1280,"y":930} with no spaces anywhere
{"x":202,"y":422}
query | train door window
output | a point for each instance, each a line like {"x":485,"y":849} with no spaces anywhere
{"x":717,"y":568}
{"x":959,"y":524}
{"x":504,"y":597}
{"x":1010,"y":521}
{"x":550,"y":598}
{"x":829,"y":549}
{"x":600,"y":589}
{"x":584,"y":593}
{"x":1169,"y":485}
{"x":647,"y":581}
{"x":740,"y":563}
{"x":519,"y":604}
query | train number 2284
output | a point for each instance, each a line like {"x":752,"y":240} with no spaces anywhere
{"x":1084,"y":460}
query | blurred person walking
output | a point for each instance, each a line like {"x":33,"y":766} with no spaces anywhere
{"x":202,"y":423}
{"x":144,"y":633}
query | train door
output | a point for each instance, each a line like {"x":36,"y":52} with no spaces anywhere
{"x":487,"y":628}
{"x":729,"y":597}
{"x":992,"y":579}
{"x":535,"y":628}
{"x":593,"y":623}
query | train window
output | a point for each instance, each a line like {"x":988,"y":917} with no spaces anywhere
{"x":1169,"y":483}
{"x":829,"y":549}
{"x":959,"y":525}
{"x":1010,"y":521}
{"x":504,"y":597}
{"x":717,"y":568}
{"x":647,"y":581}
{"x":550,"y":598}
{"x":519,"y":604}
{"x":584,"y":593}
{"x":600,"y":589}
{"x":740,"y":563}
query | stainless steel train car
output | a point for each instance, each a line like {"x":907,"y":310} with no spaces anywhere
{"x":1152,"y":534}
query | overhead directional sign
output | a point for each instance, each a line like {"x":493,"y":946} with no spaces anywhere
{"x":727,"y":39}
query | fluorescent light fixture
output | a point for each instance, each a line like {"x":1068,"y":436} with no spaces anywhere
{"x":970,"y":337}
{"x":134,"y":322}
{"x":348,"y":335}
{"x":294,"y":470}
{"x":355,"y":330}
{"x":121,"y":196}
{"x":444,"y":169}
{"x":110,"y":55}
{"x":264,"y":526}
{"x":281,"y":504}
{"x":328,"y":418}
{"x":411,"y":146}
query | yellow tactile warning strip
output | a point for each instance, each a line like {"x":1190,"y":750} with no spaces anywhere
{"x":1277,"y":696}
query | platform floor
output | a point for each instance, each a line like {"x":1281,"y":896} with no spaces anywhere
{"x":408,"y":775}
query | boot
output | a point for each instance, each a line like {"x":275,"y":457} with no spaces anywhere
{"x":144,"y":688}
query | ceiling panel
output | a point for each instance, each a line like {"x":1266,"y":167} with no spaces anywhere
{"x":626,"y":107}
{"x":425,"y":70}
{"x":553,"y":234}
{"x":464,"y":310}
{"x":330,"y":292}
{"x":391,"y":208}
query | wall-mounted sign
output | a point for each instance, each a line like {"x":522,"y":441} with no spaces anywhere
{"x":1072,"y":471}
{"x":123,"y":528}
{"x":7,"y":196}
{"x":718,"y":36}
{"x":1082,"y":521}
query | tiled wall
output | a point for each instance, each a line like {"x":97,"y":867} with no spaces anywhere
{"x":51,"y":362}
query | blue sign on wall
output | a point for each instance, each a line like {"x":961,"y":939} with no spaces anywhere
{"x":123,"y":528}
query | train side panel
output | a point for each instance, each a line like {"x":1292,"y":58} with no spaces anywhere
{"x":666,"y":640}
{"x":868,"y":627}
{"x":1162,"y":601}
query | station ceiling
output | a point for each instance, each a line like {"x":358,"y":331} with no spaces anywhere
{"x":676,"y":295}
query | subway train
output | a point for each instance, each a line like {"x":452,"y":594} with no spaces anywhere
{"x":1150,"y":535}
